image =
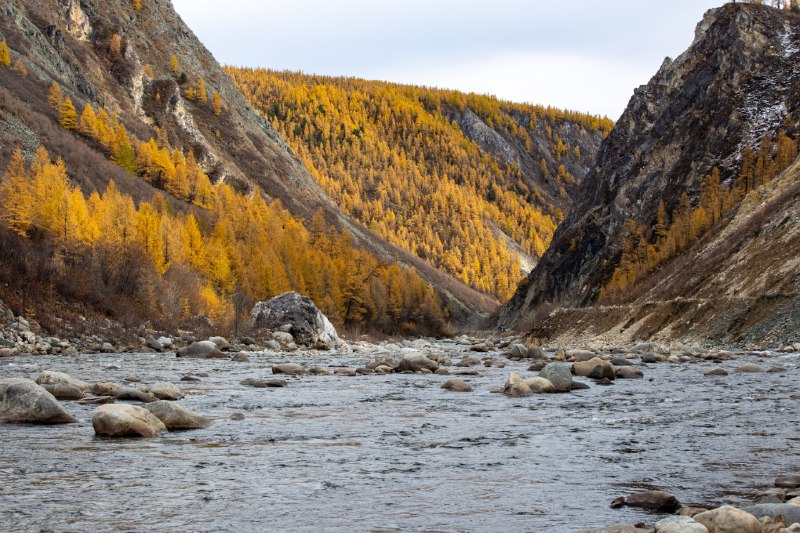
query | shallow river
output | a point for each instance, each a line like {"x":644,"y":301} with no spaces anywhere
{"x":397,"y":452}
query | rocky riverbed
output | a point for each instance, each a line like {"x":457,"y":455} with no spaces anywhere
{"x":337,"y":449}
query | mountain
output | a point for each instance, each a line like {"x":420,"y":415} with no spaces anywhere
{"x":123,"y":91}
{"x":471,"y":184}
{"x":686,"y":227}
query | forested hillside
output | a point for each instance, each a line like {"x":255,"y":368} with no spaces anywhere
{"x":137,"y":185}
{"x":471,"y":184}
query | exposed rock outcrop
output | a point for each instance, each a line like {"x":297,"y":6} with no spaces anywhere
{"x":308,"y":326}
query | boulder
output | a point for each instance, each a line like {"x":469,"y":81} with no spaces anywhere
{"x":540,"y":385}
{"x":165,"y":391}
{"x":621,"y":361}
{"x":50,"y":377}
{"x":132,"y":394}
{"x":559,"y":375}
{"x":284,"y":338}
{"x":290,"y":369}
{"x":788,"y":482}
{"x":624,"y":528}
{"x":716,"y":372}
{"x":202,"y":350}
{"x":594,"y":368}
{"x":469,"y":361}
{"x":346,"y":372}
{"x":577,"y":385}
{"x":272,"y":345}
{"x":654,"y":500}
{"x":537,"y":365}
{"x":628,"y":372}
{"x":679,"y":524}
{"x":560,"y":355}
{"x":177,"y":417}
{"x":727,"y":519}
{"x":309,"y":326}
{"x":123,"y":420}
{"x":456,"y":385}
{"x":105,"y":389}
{"x":154,"y":344}
{"x":62,"y":391}
{"x":262,"y":384}
{"x":790,"y":512}
{"x":516,"y":387}
{"x":416,"y":362}
{"x":222,"y":344}
{"x":519,"y":351}
{"x":480,"y":347}
{"x":383,"y":360}
{"x":240,"y":357}
{"x":107,"y":347}
{"x":580,"y":355}
{"x":165,"y":342}
{"x":749,"y":369}
{"x":24,"y":402}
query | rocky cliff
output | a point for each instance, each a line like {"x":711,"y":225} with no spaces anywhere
{"x":735,"y":86}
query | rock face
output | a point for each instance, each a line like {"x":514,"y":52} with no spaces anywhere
{"x":25,"y":402}
{"x":309,"y":326}
{"x":177,"y":417}
{"x":701,"y":110}
{"x":121,"y":420}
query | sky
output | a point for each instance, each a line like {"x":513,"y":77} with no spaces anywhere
{"x":583,"y":55}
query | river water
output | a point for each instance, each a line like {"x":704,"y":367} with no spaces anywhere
{"x":397,"y":452}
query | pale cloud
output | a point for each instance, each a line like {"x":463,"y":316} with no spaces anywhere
{"x":582,"y":54}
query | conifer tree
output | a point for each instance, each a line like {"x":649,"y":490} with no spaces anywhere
{"x":68,"y":117}
{"x":55,"y":97}
{"x":5,"y":54}
{"x":216,"y":99}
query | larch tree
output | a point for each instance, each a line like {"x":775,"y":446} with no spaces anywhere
{"x":5,"y":54}
{"x":216,"y":100}
{"x":202,"y":95}
{"x":174,"y":66}
{"x":56,"y":96}
{"x":68,"y":117}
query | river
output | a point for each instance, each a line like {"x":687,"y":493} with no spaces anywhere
{"x":397,"y":452}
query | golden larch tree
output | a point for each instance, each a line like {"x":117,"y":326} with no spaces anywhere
{"x":68,"y":117}
{"x":5,"y":54}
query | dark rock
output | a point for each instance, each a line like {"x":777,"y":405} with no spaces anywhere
{"x":129,"y":393}
{"x":537,"y":365}
{"x":189,"y":377}
{"x":62,"y":391}
{"x":628,"y":372}
{"x":291,"y":369}
{"x":788,"y":482}
{"x":456,"y":385}
{"x":654,"y":500}
{"x":716,"y":372}
{"x":416,"y":362}
{"x":579,"y":385}
{"x":617,"y":503}
{"x":237,"y":416}
{"x":309,"y":326}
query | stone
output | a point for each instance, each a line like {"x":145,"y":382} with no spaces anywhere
{"x":727,"y":519}
{"x":272,"y":345}
{"x":416,"y":362}
{"x":383,"y":360}
{"x":202,"y":350}
{"x":519,"y":351}
{"x":177,"y":417}
{"x":123,"y":420}
{"x":346,"y":372}
{"x":654,"y":500}
{"x":132,"y":394}
{"x":560,"y":355}
{"x":309,"y":326}
{"x":441,"y":371}
{"x":132,"y":379}
{"x":50,"y":377}
{"x":628,"y":372}
{"x":63,"y":391}
{"x":578,"y":385}
{"x":189,"y":377}
{"x":24,"y":402}
{"x":594,"y":368}
{"x":469,"y":361}
{"x":165,"y":342}
{"x":107,"y":347}
{"x":516,"y":387}
{"x":559,"y":375}
{"x":679,"y":524}
{"x":537,"y":365}
{"x":97,"y":400}
{"x":237,"y":416}
{"x":580,"y":355}
{"x":790,"y":512}
{"x":241,"y":357}
{"x":625,"y":528}
{"x":480,"y":347}
{"x":621,"y":361}
{"x":290,"y":369}
{"x":319,"y":371}
{"x":540,"y":385}
{"x":284,"y":338}
{"x":788,"y":482}
{"x":749,"y":369}
{"x":153,"y":344}
{"x":716,"y":372}
{"x":105,"y":389}
{"x":165,"y":391}
{"x":456,"y":385}
{"x":221,"y":342}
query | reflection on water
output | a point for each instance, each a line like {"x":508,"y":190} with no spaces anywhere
{"x":397,"y":452}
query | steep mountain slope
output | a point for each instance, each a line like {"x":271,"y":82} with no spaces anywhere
{"x":672,"y":208}
{"x":138,"y":61}
{"x":465,"y":181}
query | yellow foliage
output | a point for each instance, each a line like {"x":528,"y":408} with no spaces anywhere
{"x":68,"y":117}
{"x":5,"y":54}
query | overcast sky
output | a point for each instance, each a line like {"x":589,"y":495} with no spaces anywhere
{"x":583,"y":54}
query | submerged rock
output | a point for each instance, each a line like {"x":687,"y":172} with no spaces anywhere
{"x":62,"y":391}
{"x":123,"y":420}
{"x":165,"y":391}
{"x":559,"y":375}
{"x":202,"y":350}
{"x":716,"y":372}
{"x":177,"y":417}
{"x":749,"y":369}
{"x":416,"y":362}
{"x":51,"y":377}
{"x":456,"y":385}
{"x":309,"y":326}
{"x":25,"y":402}
{"x":291,"y":369}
